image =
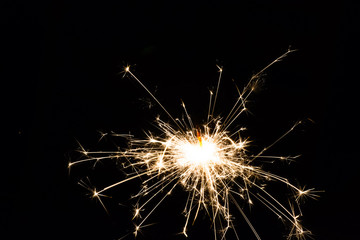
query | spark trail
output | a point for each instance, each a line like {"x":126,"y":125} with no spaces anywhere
{"x":210,"y":163}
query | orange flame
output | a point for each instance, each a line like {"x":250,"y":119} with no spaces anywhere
{"x":199,"y":137}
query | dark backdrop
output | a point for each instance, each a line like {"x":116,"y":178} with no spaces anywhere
{"x":61,"y":64}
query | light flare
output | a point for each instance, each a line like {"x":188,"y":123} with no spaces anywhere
{"x":211,"y":163}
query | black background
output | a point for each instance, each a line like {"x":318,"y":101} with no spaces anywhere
{"x":61,"y":64}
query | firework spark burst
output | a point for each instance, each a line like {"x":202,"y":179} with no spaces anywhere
{"x":211,"y":163}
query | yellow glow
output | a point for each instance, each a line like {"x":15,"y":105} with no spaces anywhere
{"x":198,"y":155}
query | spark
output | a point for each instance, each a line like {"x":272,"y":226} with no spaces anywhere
{"x":211,"y":163}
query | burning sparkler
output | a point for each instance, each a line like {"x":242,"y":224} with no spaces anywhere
{"x":210,"y":163}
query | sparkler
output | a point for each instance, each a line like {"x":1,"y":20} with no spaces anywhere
{"x":211,"y":163}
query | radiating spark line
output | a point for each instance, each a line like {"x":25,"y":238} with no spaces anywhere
{"x":209,"y":108}
{"x":245,"y":217}
{"x":210,"y":162}
{"x":217,"y":89}
{"x":152,"y":210}
{"x":127,"y":70}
